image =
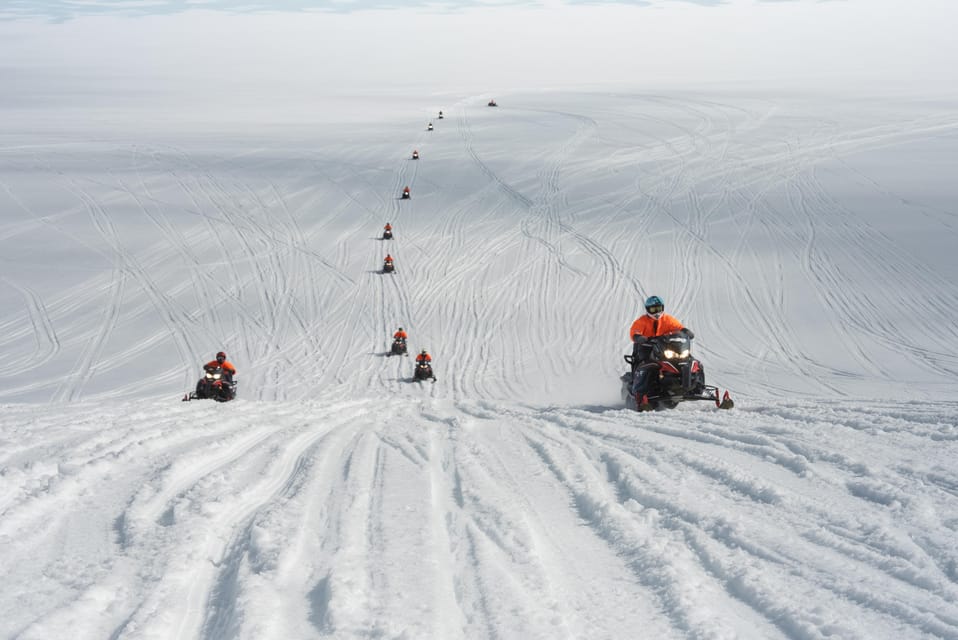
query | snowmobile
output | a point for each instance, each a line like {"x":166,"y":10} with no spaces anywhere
{"x":429,"y":128}
{"x":440,"y":115}
{"x":492,"y":103}
{"x":398,"y":348}
{"x":415,"y":155}
{"x":388,"y":267}
{"x":423,"y":372}
{"x":388,"y":234}
{"x":216,"y":384}
{"x":405,"y":193}
{"x":675,"y":376}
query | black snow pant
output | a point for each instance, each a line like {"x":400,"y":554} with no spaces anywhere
{"x":641,"y":371}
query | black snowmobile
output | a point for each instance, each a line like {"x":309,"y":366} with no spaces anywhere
{"x":398,"y":348}
{"x":440,"y":115}
{"x":423,"y":372}
{"x":415,"y":155}
{"x":429,"y":128}
{"x":388,"y":267}
{"x":387,"y":234}
{"x":674,"y":375}
{"x":216,"y":384}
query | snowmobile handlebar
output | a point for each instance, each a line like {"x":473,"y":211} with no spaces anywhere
{"x":685,"y":332}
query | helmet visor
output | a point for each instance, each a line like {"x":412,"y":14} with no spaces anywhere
{"x":655,"y":309}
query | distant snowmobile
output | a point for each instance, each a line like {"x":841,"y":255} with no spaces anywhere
{"x":387,"y":234}
{"x":492,"y":103}
{"x":675,"y":376}
{"x":216,"y":384}
{"x":440,"y":115}
{"x":423,"y":372}
{"x":398,"y":348}
{"x":415,"y":155}
{"x":429,"y":128}
{"x":405,"y":193}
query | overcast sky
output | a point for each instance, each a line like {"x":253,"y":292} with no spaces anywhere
{"x":128,"y":46}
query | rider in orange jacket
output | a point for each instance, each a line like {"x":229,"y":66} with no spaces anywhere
{"x":423,"y":357}
{"x":221,"y":361}
{"x":654,"y":323}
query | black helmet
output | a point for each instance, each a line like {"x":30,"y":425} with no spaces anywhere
{"x":221,"y":356}
{"x":400,"y":328}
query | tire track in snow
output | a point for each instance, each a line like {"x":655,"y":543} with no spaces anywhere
{"x":83,"y":370}
{"x":48,"y":343}
{"x":806,"y":556}
{"x":277,"y":464}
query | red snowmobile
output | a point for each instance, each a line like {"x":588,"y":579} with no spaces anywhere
{"x":674,"y":375}
{"x":216,"y":384}
{"x":398,"y":348}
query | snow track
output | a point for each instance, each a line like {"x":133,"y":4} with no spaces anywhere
{"x":513,"y":498}
{"x":425,"y":518}
{"x":529,"y":227}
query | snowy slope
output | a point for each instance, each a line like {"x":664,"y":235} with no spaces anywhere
{"x":808,"y":241}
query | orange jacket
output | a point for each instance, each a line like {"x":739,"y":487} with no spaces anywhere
{"x":388,"y":259}
{"x":225,"y":364}
{"x":650,"y":327}
{"x":423,"y":358}
{"x":401,"y":334}
{"x":388,"y":227}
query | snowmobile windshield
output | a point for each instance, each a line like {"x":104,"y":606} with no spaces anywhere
{"x":676,"y":347}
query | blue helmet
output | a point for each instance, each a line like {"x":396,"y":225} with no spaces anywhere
{"x":654,"y":306}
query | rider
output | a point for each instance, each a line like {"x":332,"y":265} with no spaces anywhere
{"x":228,"y":369}
{"x":387,"y":261}
{"x":424,"y":358}
{"x":227,"y":372}
{"x":405,"y":192}
{"x":388,"y":227}
{"x":400,"y":335}
{"x":654,"y":323}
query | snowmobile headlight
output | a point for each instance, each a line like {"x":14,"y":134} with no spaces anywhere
{"x":217,"y":376}
{"x":676,"y":355}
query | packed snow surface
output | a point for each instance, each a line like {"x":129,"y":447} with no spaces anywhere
{"x":808,"y":240}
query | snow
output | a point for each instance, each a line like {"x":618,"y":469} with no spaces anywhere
{"x":806,"y":236}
